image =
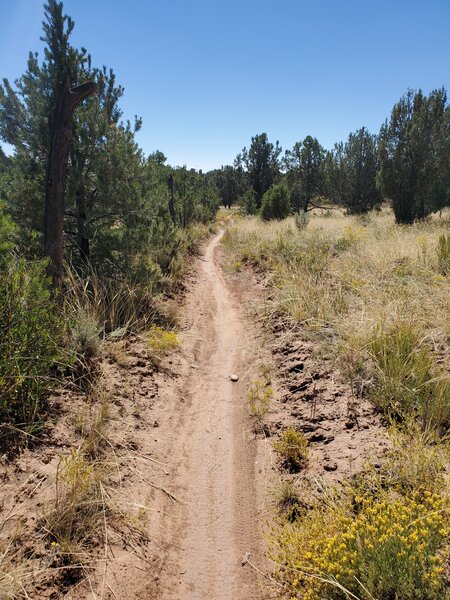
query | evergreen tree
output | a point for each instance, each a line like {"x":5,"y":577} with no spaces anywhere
{"x":358,"y":163}
{"x":248,"y":202}
{"x":275,"y":203}
{"x":3,"y":160}
{"x":414,"y":153}
{"x":228,"y":181}
{"x":66,"y":95}
{"x":304,"y":165}
{"x":261,"y":164}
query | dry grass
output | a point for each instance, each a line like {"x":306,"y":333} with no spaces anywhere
{"x":293,"y":449}
{"x":346,"y":279}
{"x":259,"y":396}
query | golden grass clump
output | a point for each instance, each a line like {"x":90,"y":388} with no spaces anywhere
{"x":259,"y":396}
{"x":79,"y":504}
{"x":293,"y":449}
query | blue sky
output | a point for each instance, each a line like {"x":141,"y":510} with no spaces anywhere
{"x":207,"y":75}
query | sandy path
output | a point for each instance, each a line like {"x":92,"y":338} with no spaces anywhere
{"x":213,"y":453}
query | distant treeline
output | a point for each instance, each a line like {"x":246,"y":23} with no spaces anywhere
{"x":408,"y":162}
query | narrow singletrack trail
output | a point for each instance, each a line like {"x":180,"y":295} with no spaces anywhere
{"x":213,"y":456}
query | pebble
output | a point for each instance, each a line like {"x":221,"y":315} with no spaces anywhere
{"x":234,"y":377}
{"x":330,"y":466}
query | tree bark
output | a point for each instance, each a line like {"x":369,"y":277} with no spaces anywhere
{"x":83,"y":239}
{"x":61,"y":130}
{"x":171,"y":200}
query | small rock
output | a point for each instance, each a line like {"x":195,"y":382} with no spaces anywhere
{"x":330,"y":466}
{"x":156,"y":424}
{"x":317,"y":436}
{"x":306,"y":427}
{"x":234,"y":377}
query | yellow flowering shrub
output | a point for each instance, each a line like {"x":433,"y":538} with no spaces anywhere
{"x":161,"y":341}
{"x":354,"y":234}
{"x":371,"y":548}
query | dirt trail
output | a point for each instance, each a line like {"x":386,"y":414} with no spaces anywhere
{"x":213,"y":453}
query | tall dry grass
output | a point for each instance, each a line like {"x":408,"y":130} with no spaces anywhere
{"x":357,"y":284}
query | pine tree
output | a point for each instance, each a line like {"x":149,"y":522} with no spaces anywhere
{"x":67,"y":94}
{"x":414,"y":153}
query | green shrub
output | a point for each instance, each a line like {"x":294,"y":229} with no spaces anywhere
{"x":7,"y":234}
{"x":30,"y":341}
{"x":301,"y":220}
{"x":275,"y":203}
{"x":85,"y":335}
{"x":248,"y":202}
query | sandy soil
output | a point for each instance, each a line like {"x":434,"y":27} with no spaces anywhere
{"x":214,"y":454}
{"x":215,"y":468}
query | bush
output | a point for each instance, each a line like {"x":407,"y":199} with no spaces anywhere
{"x":406,"y":385}
{"x":7,"y":234}
{"x":275,"y":203}
{"x":161,"y":342}
{"x":301,"y":220}
{"x":85,"y":334}
{"x":30,"y":342}
{"x":293,"y":449}
{"x":372,"y":548}
{"x":248,"y":202}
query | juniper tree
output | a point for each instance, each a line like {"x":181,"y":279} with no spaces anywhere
{"x":67,"y":94}
{"x":304,"y":165}
{"x":415,"y":155}
{"x":228,"y":181}
{"x":261,"y":164}
{"x":357,"y":161}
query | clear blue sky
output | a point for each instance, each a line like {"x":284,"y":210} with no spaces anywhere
{"x":207,"y":75}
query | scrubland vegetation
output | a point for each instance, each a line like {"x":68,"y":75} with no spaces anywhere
{"x":130,"y":223}
{"x":355,"y":244}
{"x":372,"y":295}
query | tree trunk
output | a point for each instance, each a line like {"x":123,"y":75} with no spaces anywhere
{"x":61,"y":129}
{"x":83,"y":240}
{"x":171,"y":200}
